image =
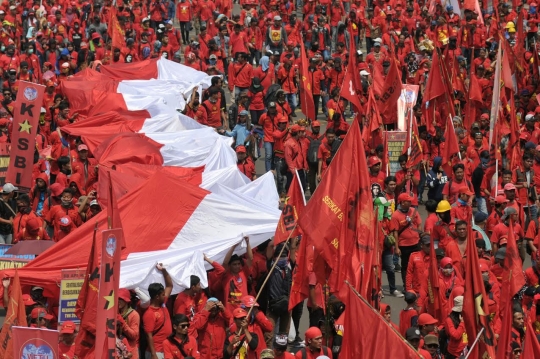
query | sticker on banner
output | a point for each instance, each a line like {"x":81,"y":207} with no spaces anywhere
{"x":111,"y":245}
{"x":37,"y":348}
{"x":30,"y":93}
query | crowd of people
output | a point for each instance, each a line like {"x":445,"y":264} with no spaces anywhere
{"x":253,"y":50}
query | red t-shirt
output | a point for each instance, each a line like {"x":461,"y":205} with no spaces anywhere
{"x":158,"y":322}
{"x":234,"y":288}
{"x":452,"y":192}
{"x":66,"y":351}
{"x":409,"y":187}
{"x":409,"y":236}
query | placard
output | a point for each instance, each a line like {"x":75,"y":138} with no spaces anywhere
{"x":70,"y":286}
{"x":396,"y":141}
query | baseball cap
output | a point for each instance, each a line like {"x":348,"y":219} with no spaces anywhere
{"x":364,"y":73}
{"x":507,"y":212}
{"x":509,"y":187}
{"x":465,"y":190}
{"x":40,"y":313}
{"x":412,"y":334}
{"x":439,"y":252}
{"x":241,"y":149}
{"x":27,"y":300}
{"x":64,"y":221}
{"x":426,"y":239}
{"x":315,"y":124}
{"x":431,"y":339}
{"x":501,"y":199}
{"x":373,"y":160}
{"x":426,"y":319}
{"x":501,"y":253}
{"x":480,"y":217}
{"x":124,"y":294}
{"x":249,"y":301}
{"x":94,"y":203}
{"x":410,"y":297}
{"x":213,"y":299}
{"x":243,"y":113}
{"x":277,"y":18}
{"x":68,"y":328}
{"x":8,"y":188}
{"x":239,"y":313}
{"x":82,"y":147}
{"x":359,"y":52}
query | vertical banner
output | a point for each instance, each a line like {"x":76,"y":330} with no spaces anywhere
{"x":23,"y":141}
{"x":70,"y":287}
{"x":5,"y":149}
{"x":396,"y":140}
{"x":35,"y":343}
{"x":109,"y":280}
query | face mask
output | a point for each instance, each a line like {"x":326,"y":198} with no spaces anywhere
{"x":66,"y":203}
{"x":213,"y":100}
{"x":3,"y":48}
{"x":30,"y":51}
{"x":448,"y":272}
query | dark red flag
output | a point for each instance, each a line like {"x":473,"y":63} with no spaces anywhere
{"x":116,"y":32}
{"x":292,"y":209}
{"x":451,"y":146}
{"x":414,"y":151}
{"x":531,"y":348}
{"x":351,"y":82}
{"x":434,"y":300}
{"x":15,"y":316}
{"x":378,"y":339}
{"x":305,"y":86}
{"x":86,"y":307}
{"x":372,"y":133}
{"x":391,"y":91}
{"x":339,"y":217}
{"x":435,"y":86}
{"x":475,"y":303}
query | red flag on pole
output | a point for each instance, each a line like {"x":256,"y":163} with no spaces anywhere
{"x":305,"y":86}
{"x":531,"y":348}
{"x":387,"y":101}
{"x":475,"y":303}
{"x":117,"y":33}
{"x":292,"y":209}
{"x":451,"y":146}
{"x":378,"y":340}
{"x":435,"y":86}
{"x":109,"y":281}
{"x":351,"y":82}
{"x":23,"y":137}
{"x":339,"y":217}
{"x":86,"y":307}
{"x":15,"y":316}
{"x":37,"y":337}
{"x":415,"y":150}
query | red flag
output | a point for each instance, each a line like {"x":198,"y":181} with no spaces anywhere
{"x":414,"y":151}
{"x":391,"y":91}
{"x":506,"y":70}
{"x":113,"y":214}
{"x":38,"y":337}
{"x":378,"y":82}
{"x":475,"y":303}
{"x":435,"y":85}
{"x":305,"y":86}
{"x":23,"y":138}
{"x":531,"y":348}
{"x":339,"y":216}
{"x":15,"y":316}
{"x":372,"y":133}
{"x":292,"y":209}
{"x":378,"y":340}
{"x":351,"y":82}
{"x":434,"y":300}
{"x":117,"y":33}
{"x":451,"y":146}
{"x":86,"y":307}
{"x":109,"y":282}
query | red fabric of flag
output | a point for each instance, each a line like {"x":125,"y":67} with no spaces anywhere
{"x":451,"y":146}
{"x":15,"y":316}
{"x":435,"y":85}
{"x":391,"y":91}
{"x":305,"y":86}
{"x":292,"y":209}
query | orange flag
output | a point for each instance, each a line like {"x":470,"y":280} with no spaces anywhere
{"x":339,"y":217}
{"x":86,"y":307}
{"x":16,"y":316}
{"x":292,"y":209}
{"x":378,"y":340}
{"x":475,"y":304}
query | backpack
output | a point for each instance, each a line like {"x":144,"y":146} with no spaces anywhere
{"x":271,"y":94}
{"x":278,"y":293}
{"x":333,"y":150}
{"x":313,"y":151}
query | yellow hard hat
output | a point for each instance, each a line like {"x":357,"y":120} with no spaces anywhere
{"x":443,"y":206}
{"x":511,"y":30}
{"x":510,"y":25}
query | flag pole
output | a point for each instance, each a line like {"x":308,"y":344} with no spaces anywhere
{"x":475,"y":341}
{"x":378,"y":313}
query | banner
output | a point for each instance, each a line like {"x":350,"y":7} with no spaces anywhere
{"x":396,"y":141}
{"x":406,"y":102}
{"x":4,"y":161}
{"x":27,"y":108}
{"x":35,"y":343}
{"x":70,"y":287}
{"x":109,"y":281}
{"x":294,"y":205}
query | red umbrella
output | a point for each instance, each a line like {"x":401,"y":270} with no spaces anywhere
{"x":30,"y":247}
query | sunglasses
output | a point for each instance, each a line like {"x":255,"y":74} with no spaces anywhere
{"x":184,"y":326}
{"x":432,"y":346}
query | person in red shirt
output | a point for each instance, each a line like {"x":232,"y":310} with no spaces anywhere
{"x":235,"y":278}
{"x":209,"y":327}
{"x":405,"y":224}
{"x":452,"y":187}
{"x":156,"y":319}
{"x":24,"y":214}
{"x":129,"y":320}
{"x":455,"y":329}
{"x":462,"y":210}
{"x":386,"y":313}
{"x":184,"y":15}
{"x":408,"y":317}
{"x":240,"y":73}
{"x":39,"y":318}
{"x":258,"y":323}
{"x":418,"y":265}
{"x":242,"y":341}
{"x":295,"y":156}
{"x":407,"y":180}
{"x":66,"y":346}
{"x":215,"y":110}
{"x":375,"y":173}
{"x":192,"y":300}
{"x":180,"y":344}
{"x":314,"y":347}
{"x":245,"y":163}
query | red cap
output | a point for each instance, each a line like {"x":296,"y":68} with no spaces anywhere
{"x":373,"y":160}
{"x":124,"y":294}
{"x":484,"y":116}
{"x":295,"y":128}
{"x":283,"y":120}
{"x":68,"y":328}
{"x":501,"y":199}
{"x":249,"y":301}
{"x":426,"y":319}
{"x":239,"y":313}
{"x":40,"y":313}
{"x":404,"y":197}
{"x":525,"y":136}
{"x":315,"y":124}
{"x":241,"y":149}
{"x":484,"y":267}
{"x":82,"y":147}
{"x":509,"y":187}
{"x":465,"y":190}
{"x":503,"y":239}
{"x":95,"y":35}
{"x":27,"y":300}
